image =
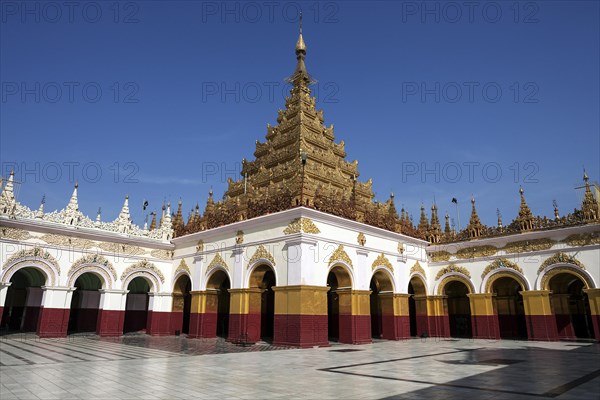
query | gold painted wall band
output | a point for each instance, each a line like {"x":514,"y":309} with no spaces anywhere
{"x":300,"y":300}
{"x":594,"y":300}
{"x":537,"y":302}
{"x":482,"y":304}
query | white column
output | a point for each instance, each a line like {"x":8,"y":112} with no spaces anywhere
{"x":113,"y":300}
{"x":302,"y":261}
{"x":237,"y":272}
{"x":197,"y":275}
{"x":401,"y":272}
{"x":362,"y":270}
{"x":54,"y":296}
{"x":160,"y":302}
{"x":3,"y":291}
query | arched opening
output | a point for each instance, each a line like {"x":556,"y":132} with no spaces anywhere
{"x":218,"y":303}
{"x":23,"y":301}
{"x":459,"y":309}
{"x":510,"y":309}
{"x":263,"y":278}
{"x":417,"y":307}
{"x":182,"y":305}
{"x":571,"y":307}
{"x":85,"y":303}
{"x":337,"y":279}
{"x":136,"y":305}
{"x":382,"y":306}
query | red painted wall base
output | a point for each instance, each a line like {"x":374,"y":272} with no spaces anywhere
{"x":110,"y":323}
{"x":485,"y":327}
{"x":355,"y":329}
{"x":300,"y":330}
{"x":395,"y":327}
{"x":176,"y":322}
{"x":244,"y":328}
{"x":159,"y":323}
{"x":596,"y":326}
{"x":53,"y":322}
{"x":439,"y":326}
{"x":541,"y":327}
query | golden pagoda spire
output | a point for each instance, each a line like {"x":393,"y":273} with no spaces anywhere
{"x":423,"y":222}
{"x":178,"y":223}
{"x":435,"y":230}
{"x":153,"y":223}
{"x":525,"y":218}
{"x":447,"y":229}
{"x":475,"y":227}
{"x":589,"y":207}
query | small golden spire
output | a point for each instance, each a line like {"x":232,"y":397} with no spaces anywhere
{"x":300,"y":45}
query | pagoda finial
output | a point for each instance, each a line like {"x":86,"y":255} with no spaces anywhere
{"x":300,"y":45}
{"x":435,"y":230}
{"x":40,"y":211}
{"x":153,"y":223}
{"x":525,"y":217}
{"x":124,"y":219}
{"x":8,"y":202}
{"x":475,"y":227}
{"x":590,"y":205}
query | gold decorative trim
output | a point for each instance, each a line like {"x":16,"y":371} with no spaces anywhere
{"x":121,"y":248}
{"x":459,"y":278}
{"x":93,"y":259}
{"x":418,"y":269}
{"x":200,"y":246}
{"x":340,"y":255}
{"x":62,"y":240}
{"x":162,"y":254}
{"x":142,"y":266}
{"x":361,"y":239}
{"x":583,"y":239}
{"x":452,"y":268}
{"x":400,"y":248}
{"x":500,"y":263}
{"x":239,"y":237}
{"x":13,"y":233}
{"x":218,"y":261}
{"x":439,"y":256}
{"x":476,"y":251}
{"x":560,"y":258}
{"x":301,"y":225}
{"x":183,"y":267}
{"x":382,"y":260}
{"x":525,"y":246}
{"x":570,"y":269}
{"x":261,"y":253}
{"x":509,"y":273}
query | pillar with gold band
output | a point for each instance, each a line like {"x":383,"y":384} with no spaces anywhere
{"x":594,"y":300}
{"x":484,"y":318}
{"x":245,"y":315}
{"x":541,"y":324}
{"x":437,"y":316}
{"x":300,"y":316}
{"x":395,"y":318}
{"x":354,"y":316}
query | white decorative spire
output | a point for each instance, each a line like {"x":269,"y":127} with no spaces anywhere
{"x":40,"y":212}
{"x":124,"y":219}
{"x":97,"y":223}
{"x":72,"y":214}
{"x":7,"y":198}
{"x":166,"y":226}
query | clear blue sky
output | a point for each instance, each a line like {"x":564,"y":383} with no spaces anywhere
{"x":156,"y":96}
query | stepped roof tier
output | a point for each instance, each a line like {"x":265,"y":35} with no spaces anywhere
{"x":300,"y":164}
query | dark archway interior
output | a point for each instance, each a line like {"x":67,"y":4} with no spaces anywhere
{"x":380,"y":283}
{"x":85,"y":303}
{"x":571,"y":307}
{"x":417,"y":307}
{"x":510,"y":309}
{"x":338,"y":278}
{"x":219,"y":281}
{"x":459,"y":309}
{"x":263,"y":278}
{"x":136,"y":306}
{"x":182,"y":303}
{"x":23,"y":301}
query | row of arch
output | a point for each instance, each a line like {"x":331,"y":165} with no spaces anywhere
{"x":566,"y":282}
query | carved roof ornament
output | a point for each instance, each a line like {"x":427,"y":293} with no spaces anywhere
{"x":8,"y":203}
{"x":400,"y":248}
{"x":218,"y":261}
{"x":590,"y":206}
{"x":340,"y":255}
{"x":70,"y":241}
{"x":382,"y":260}
{"x":14,"y":233}
{"x":525,"y":218}
{"x":361,"y":239}
{"x":143,"y":266}
{"x":183,"y":267}
{"x":239,"y":237}
{"x":418,"y":269}
{"x":162,"y":254}
{"x":120,"y":248}
{"x":35,"y":253}
{"x":200,"y":246}
{"x":93,"y":259}
{"x":439,"y":256}
{"x":525,"y":246}
{"x":434,"y":234}
{"x":301,"y":224}
{"x":476,"y":251}
{"x":560,"y":258}
{"x":452,"y":268}
{"x":583,"y":239}
{"x":475,"y":227}
{"x":500,"y":263}
{"x":261,"y":253}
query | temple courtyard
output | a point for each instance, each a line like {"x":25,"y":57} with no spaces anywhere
{"x":140,"y":366}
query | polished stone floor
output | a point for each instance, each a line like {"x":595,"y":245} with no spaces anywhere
{"x":143,"y":367}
